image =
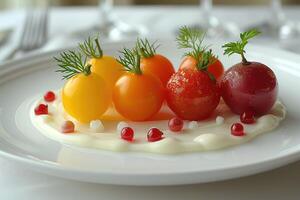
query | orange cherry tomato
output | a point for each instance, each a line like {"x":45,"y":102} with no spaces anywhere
{"x":216,"y":68}
{"x":159,"y":66}
{"x":138,"y":97}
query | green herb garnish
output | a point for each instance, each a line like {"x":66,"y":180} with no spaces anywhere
{"x":71,"y":63}
{"x":238,"y":47}
{"x":192,"y":39}
{"x":130,"y":59}
{"x":91,"y":48}
{"x":145,"y":48}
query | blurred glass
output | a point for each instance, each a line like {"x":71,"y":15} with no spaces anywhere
{"x":289,"y":34}
{"x":213,"y":27}
{"x":271,"y":26}
{"x":112,"y":27}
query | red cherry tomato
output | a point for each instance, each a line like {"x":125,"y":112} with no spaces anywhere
{"x":215,"y":69}
{"x":192,"y":95}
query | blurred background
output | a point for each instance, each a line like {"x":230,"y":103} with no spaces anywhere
{"x":39,"y":25}
{"x":4,"y":4}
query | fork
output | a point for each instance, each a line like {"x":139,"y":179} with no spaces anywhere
{"x":34,"y":33}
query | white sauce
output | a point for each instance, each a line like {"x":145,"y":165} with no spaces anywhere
{"x":203,"y":136}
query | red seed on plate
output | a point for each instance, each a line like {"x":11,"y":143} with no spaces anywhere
{"x":154,"y":134}
{"x":68,"y":127}
{"x":49,"y":96}
{"x":237,"y":129}
{"x":247,"y":117}
{"x":41,"y":109}
{"x":175,"y":124}
{"x":127,"y":134}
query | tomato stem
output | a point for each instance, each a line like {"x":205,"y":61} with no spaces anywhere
{"x":238,"y":47}
{"x":87,"y":70}
{"x":91,"y":48}
{"x":205,"y":59}
{"x":145,"y":49}
{"x":131,"y":60}
{"x":211,"y":76}
{"x":244,"y":60}
{"x":138,"y":64}
{"x":99,"y":47}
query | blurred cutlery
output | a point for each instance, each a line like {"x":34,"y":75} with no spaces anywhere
{"x":5,"y":35}
{"x":34,"y":33}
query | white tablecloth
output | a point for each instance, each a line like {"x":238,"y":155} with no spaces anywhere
{"x":17,"y":183}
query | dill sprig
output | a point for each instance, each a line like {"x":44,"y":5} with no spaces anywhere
{"x":192,"y":39}
{"x":145,"y":48}
{"x":238,"y":47}
{"x":91,"y":48}
{"x":71,"y":63}
{"x":130,"y":59}
{"x":207,"y":58}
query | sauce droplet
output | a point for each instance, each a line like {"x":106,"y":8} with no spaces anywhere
{"x":237,"y":129}
{"x":68,"y":127}
{"x":175,"y":124}
{"x":127,"y":134}
{"x":247,"y":117}
{"x":154,"y":134}
{"x":41,"y":109}
{"x":49,"y":96}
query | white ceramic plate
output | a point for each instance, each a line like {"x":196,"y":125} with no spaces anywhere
{"x":20,"y":142}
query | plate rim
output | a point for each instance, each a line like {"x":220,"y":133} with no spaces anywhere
{"x":45,"y":56}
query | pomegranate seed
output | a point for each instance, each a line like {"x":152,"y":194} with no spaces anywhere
{"x":247,"y":117}
{"x":68,"y":127}
{"x":49,"y":96}
{"x":154,"y":134}
{"x":237,"y":129}
{"x":127,"y":133}
{"x":175,"y":124}
{"x":41,"y":109}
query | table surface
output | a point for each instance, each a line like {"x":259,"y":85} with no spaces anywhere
{"x":17,"y":183}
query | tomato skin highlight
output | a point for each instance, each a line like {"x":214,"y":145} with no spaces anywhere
{"x":158,"y":66}
{"x":215,"y":69}
{"x":252,"y":87}
{"x":192,"y":95}
{"x":85,"y":97}
{"x":138,"y":97}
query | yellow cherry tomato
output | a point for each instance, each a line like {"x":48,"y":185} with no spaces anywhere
{"x":108,"y":68}
{"x":85,"y":97}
